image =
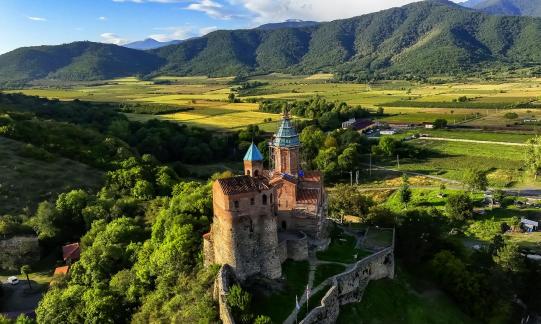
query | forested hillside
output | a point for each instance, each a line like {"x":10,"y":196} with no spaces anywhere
{"x":421,"y":39}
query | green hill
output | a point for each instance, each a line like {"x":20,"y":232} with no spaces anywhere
{"x":75,"y":61}
{"x":507,"y":7}
{"x":425,"y":38}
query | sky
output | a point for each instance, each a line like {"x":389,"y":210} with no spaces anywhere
{"x":51,"y":22}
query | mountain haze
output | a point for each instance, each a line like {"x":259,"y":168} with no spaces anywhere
{"x":507,"y":7}
{"x":424,"y":38}
{"x":150,"y":43}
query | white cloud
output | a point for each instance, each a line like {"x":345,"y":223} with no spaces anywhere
{"x":102,"y":18}
{"x":212,"y":8}
{"x":320,"y":10}
{"x":112,"y":38}
{"x":36,"y":18}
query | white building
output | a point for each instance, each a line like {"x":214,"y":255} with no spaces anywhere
{"x":529,"y":225}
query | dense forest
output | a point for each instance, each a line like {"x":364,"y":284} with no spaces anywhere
{"x":421,"y":39}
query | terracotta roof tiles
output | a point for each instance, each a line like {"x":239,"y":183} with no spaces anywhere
{"x":243,"y":184}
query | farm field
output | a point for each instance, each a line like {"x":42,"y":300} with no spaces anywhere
{"x":19,"y":172}
{"x":403,"y":101}
{"x":450,"y":160}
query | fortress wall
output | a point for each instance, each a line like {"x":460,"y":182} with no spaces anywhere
{"x":282,"y":251}
{"x":349,"y":286}
{"x":17,"y":251}
{"x":297,"y":250}
{"x":221,"y":288}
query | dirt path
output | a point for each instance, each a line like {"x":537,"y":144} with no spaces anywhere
{"x":470,"y":141}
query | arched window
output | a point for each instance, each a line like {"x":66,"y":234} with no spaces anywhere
{"x":256,"y":173}
{"x":247,"y":172}
{"x":284,"y":225}
{"x":236,"y":204}
{"x":264,"y":199}
{"x":252,"y":201}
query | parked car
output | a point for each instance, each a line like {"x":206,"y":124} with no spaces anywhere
{"x":13,"y":280}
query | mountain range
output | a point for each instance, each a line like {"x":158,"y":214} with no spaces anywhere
{"x":150,"y":43}
{"x":507,"y":7}
{"x":433,"y":37}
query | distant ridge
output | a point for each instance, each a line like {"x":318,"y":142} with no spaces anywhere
{"x":290,"y":23}
{"x":425,"y":38}
{"x":507,"y":7}
{"x":150,"y":43}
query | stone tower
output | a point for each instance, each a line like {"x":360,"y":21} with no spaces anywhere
{"x":286,"y":148}
{"x":253,"y":162}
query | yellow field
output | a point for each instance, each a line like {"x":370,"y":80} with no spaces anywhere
{"x":404,"y":101}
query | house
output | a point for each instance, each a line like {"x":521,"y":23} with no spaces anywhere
{"x":529,"y":225}
{"x":61,"y":271}
{"x":357,"y":124}
{"x":388,"y":132}
{"x":71,"y":252}
{"x":429,"y":125}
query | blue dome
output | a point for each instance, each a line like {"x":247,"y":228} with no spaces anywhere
{"x":287,"y":135}
{"x":253,"y":154}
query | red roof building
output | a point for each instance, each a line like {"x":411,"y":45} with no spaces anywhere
{"x":71,"y":252}
{"x":61,"y":271}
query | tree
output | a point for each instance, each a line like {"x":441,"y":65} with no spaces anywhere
{"x":387,"y":146}
{"x":509,"y":258}
{"x":511,"y":115}
{"x":440,"y":123}
{"x":347,"y":200}
{"x":239,"y":300}
{"x":231,"y":98}
{"x":350,"y":158}
{"x":380,"y":111}
{"x":459,"y":206}
{"x":533,"y":156}
{"x":475,"y":179}
{"x":404,"y":193}
{"x":25,"y":271}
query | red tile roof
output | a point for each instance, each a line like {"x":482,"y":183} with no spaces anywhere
{"x":61,"y":271}
{"x":312,"y":176}
{"x":243,"y":184}
{"x":307,"y":196}
{"x":71,"y":251}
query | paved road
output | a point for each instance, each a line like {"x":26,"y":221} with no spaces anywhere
{"x":470,"y":141}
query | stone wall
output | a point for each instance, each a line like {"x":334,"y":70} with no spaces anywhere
{"x":297,"y":249}
{"x":348,"y":287}
{"x":17,"y":251}
{"x":221,"y":287}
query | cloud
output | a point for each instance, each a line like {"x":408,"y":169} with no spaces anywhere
{"x":264,"y":11}
{"x":36,"y":18}
{"x":112,"y":38}
{"x":212,"y":8}
{"x":102,"y":18}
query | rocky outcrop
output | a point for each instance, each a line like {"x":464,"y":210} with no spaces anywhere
{"x":17,"y":251}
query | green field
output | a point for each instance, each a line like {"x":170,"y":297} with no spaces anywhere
{"x":402,"y":300}
{"x":19,"y":173}
{"x":404,"y":101}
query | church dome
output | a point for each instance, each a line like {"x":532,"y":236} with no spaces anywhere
{"x":287,"y":135}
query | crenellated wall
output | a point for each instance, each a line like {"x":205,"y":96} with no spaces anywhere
{"x":348,"y":287}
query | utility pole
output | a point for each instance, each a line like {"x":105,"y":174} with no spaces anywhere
{"x":351,"y":177}
{"x":370,"y":164}
{"x":397,"y":162}
{"x":357,"y":177}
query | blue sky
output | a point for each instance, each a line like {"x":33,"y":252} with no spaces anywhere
{"x":46,"y":22}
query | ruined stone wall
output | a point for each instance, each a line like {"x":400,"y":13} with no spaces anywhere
{"x":17,"y":251}
{"x":282,"y":251}
{"x":348,"y":287}
{"x":297,"y":249}
{"x":221,"y":288}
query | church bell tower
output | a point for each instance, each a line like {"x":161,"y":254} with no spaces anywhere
{"x":286,"y":148}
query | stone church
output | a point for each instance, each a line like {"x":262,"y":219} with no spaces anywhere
{"x":269,"y":215}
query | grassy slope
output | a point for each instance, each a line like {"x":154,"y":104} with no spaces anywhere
{"x":24,"y":182}
{"x":395,"y":301}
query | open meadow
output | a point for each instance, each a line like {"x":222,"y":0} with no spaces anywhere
{"x":474,"y":103}
{"x":21,"y":168}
